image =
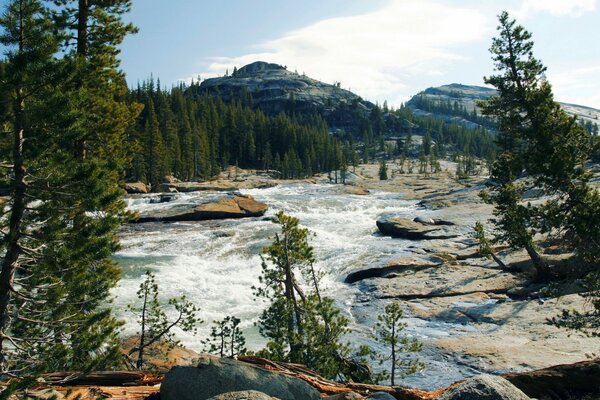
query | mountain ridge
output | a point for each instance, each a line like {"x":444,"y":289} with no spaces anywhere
{"x":456,"y":102}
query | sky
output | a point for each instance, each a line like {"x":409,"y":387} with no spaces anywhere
{"x":380,"y":49}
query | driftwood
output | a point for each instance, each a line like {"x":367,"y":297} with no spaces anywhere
{"x":109,"y":378}
{"x":559,"y":381}
{"x":328,"y":387}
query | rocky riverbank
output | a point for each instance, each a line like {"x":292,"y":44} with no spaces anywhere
{"x":504,"y":313}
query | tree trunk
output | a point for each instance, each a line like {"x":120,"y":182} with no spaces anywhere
{"x":13,"y":237}
{"x":140,"y":360}
{"x":295,"y":347}
{"x":393,"y":374}
{"x":82,"y":51}
{"x":541,"y":267}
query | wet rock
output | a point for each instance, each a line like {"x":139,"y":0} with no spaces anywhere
{"x":230,"y":207}
{"x":403,"y":228}
{"x":358,"y":191}
{"x":484,"y":387}
{"x":390,"y":271}
{"x":243,"y":395}
{"x":214,"y":376}
{"x":136,"y":187}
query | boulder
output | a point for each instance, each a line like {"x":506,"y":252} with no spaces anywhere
{"x":136,"y":187}
{"x":170,"y":179}
{"x":243,"y":395}
{"x":381,"y":396}
{"x":403,"y":228}
{"x":230,"y":207}
{"x":358,"y":191}
{"x":345,"y":396}
{"x":424,"y":220}
{"x":215,"y":376}
{"x":484,"y":387}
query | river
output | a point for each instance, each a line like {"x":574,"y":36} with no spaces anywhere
{"x":216,"y":263}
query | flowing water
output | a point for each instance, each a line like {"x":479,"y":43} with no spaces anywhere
{"x":216,"y":263}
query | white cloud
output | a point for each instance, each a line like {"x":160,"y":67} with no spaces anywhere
{"x":577,"y":85}
{"x":377,"y":54}
{"x":573,"y":8}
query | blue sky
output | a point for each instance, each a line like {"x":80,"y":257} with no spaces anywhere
{"x":381,"y":49}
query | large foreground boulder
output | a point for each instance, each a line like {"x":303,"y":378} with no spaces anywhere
{"x":214,"y":376}
{"x":403,"y":228}
{"x":243,"y":395}
{"x":239,"y":206}
{"x":484,"y":387}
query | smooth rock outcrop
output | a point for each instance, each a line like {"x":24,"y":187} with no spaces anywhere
{"x":404,"y":228}
{"x":214,"y":376}
{"x":484,"y":387}
{"x":136,"y":187}
{"x":230,"y":207}
{"x":243,"y":395}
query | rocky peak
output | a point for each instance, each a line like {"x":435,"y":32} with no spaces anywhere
{"x":273,"y":89}
{"x":258,"y":67}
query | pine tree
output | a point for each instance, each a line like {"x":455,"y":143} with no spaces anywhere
{"x":155,"y":326}
{"x":226,"y":338}
{"x":383,"y":176}
{"x":543,"y":148}
{"x":63,"y":266}
{"x":302,"y":326}
{"x":387,"y":332}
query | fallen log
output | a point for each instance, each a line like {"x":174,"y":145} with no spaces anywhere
{"x":560,"y":381}
{"x":105,"y":378}
{"x":329,"y":387}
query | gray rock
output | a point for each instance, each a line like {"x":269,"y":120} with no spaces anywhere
{"x":424,"y":220}
{"x":345,"y":396}
{"x":484,"y":387}
{"x":243,"y":395}
{"x":403,"y":228}
{"x":381,"y":396}
{"x":214,"y":376}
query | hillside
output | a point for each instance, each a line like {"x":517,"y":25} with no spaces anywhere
{"x":273,"y":89}
{"x":457,"y":103}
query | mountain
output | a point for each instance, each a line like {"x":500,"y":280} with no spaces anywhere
{"x":273,"y":89}
{"x":457,"y":103}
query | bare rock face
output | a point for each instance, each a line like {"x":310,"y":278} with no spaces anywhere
{"x":136,"y":188}
{"x":215,"y":376}
{"x":484,"y":387}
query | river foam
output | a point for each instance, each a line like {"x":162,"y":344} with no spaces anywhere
{"x":216,"y":263}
